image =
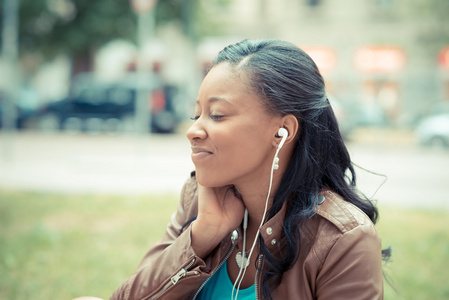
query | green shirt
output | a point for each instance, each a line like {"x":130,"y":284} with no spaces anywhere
{"x":220,"y":286}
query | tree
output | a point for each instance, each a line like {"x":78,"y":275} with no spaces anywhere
{"x":76,"y":28}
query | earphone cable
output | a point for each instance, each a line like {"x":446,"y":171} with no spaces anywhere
{"x":245,"y":226}
{"x":258,"y":230}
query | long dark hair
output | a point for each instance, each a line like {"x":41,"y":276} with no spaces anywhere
{"x":290,"y":83}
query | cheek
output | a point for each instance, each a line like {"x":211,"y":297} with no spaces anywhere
{"x":245,"y":153}
{"x":237,"y":154}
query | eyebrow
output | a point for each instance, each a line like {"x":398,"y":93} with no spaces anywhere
{"x":215,"y":99}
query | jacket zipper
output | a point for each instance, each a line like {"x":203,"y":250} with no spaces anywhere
{"x":183,"y":272}
{"x":174,"y":280}
{"x":219,"y":266}
{"x":259,"y":263}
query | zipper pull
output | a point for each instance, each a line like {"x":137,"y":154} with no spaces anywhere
{"x":183,"y":272}
{"x":178,"y":276}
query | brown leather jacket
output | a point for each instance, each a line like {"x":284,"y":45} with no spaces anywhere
{"x":340,"y":256}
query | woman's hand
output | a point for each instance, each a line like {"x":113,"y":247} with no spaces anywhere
{"x":220,"y":210}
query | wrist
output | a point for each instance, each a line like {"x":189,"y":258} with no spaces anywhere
{"x":205,"y":237}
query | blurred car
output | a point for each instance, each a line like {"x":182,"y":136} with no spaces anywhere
{"x":434,"y":131}
{"x":96,"y":106}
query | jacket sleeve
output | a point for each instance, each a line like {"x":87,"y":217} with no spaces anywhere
{"x":169,"y":261}
{"x":353,"y":267}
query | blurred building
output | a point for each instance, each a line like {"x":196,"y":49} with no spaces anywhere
{"x":383,"y":59}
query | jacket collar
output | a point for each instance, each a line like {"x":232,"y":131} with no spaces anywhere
{"x":272,"y":230}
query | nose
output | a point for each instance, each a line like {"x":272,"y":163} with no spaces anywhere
{"x":196,"y":131}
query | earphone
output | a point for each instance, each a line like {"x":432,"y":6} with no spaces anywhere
{"x":282,"y":132}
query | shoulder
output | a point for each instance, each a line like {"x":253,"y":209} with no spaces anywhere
{"x":346,"y":248}
{"x":339,"y":224}
{"x":342,"y":214}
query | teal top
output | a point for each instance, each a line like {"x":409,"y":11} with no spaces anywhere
{"x":220,"y":286}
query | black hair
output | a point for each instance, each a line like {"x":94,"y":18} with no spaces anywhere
{"x":290,"y":83}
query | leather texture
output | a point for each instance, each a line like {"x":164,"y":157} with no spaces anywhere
{"x":340,"y":256}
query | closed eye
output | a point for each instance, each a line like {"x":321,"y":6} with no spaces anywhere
{"x":213,"y":117}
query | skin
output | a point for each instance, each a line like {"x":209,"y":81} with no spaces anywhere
{"x":233,"y":143}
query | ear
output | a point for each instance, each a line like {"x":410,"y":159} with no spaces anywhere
{"x":289,"y":122}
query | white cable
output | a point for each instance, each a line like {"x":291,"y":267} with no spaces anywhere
{"x":258,"y":230}
{"x":245,"y":226}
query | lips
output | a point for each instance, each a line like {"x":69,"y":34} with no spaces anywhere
{"x":200,"y":153}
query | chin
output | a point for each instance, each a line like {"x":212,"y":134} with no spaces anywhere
{"x":205,"y":180}
{"x":210,"y":180}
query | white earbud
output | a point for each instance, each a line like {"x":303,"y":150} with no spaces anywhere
{"x":284,"y":134}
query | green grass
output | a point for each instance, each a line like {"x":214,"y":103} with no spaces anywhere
{"x":420,"y":243}
{"x":62,"y":247}
{"x":65,"y":246}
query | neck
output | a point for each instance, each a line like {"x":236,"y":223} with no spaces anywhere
{"x":254,"y":195}
{"x":254,"y":189}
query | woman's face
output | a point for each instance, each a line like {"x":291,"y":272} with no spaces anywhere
{"x":233,"y":134}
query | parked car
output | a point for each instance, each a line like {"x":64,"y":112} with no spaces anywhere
{"x":434,"y":130}
{"x":96,"y":106}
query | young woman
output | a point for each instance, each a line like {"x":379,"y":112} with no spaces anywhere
{"x":272,"y":210}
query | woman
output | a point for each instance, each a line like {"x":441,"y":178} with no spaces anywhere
{"x":268,"y":213}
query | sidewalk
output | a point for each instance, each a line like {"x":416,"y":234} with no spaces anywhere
{"x":131,"y":165}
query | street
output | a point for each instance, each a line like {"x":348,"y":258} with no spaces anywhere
{"x":409,"y":175}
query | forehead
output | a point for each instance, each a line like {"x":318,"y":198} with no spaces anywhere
{"x":224,"y":82}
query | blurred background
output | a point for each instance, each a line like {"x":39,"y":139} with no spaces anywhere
{"x":95,"y":97}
